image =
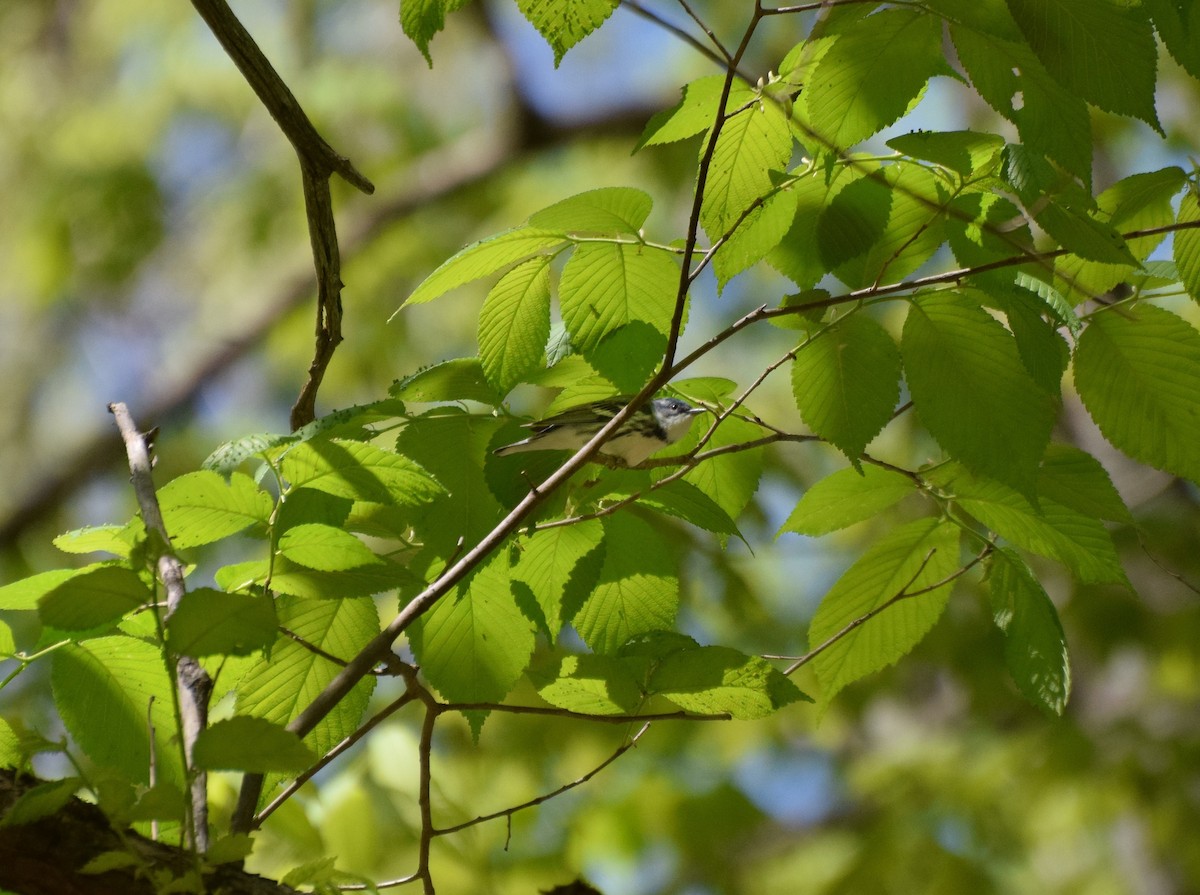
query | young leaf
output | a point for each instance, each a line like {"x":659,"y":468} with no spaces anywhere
{"x":847,"y":496}
{"x":254,"y":745}
{"x":1138,"y":373}
{"x":972,"y":391}
{"x":210,"y":622}
{"x":101,"y":595}
{"x":910,"y":559}
{"x":715,"y":680}
{"x":871,"y":74}
{"x":286,"y":577}
{"x":607,"y":285}
{"x":201,"y":507}
{"x":474,"y":644}
{"x":514,"y":324}
{"x":422,"y":19}
{"x":637,"y":590}
{"x":359,"y":471}
{"x":486,"y":257}
{"x":846,"y":382}
{"x":40,"y":801}
{"x":610,"y":211}
{"x":325,"y":548}
{"x":566,"y":22}
{"x":1035,"y":648}
{"x":109,"y":691}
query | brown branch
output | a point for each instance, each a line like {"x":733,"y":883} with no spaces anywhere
{"x":317,"y":162}
{"x":193,"y":686}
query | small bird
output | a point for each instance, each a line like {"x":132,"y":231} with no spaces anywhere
{"x":653,"y":426}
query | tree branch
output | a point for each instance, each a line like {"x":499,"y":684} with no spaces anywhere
{"x":193,"y":686}
{"x":317,"y":162}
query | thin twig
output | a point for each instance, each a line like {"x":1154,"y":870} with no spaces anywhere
{"x":566,"y":787}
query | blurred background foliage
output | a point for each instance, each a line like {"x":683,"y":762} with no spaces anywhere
{"x":153,"y":251}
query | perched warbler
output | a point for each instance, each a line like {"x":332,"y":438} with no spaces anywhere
{"x":653,"y":426}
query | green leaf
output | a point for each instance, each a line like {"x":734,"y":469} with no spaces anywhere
{"x":1138,"y":373}
{"x":325,"y":548}
{"x":109,"y":691}
{"x":730,"y":480}
{"x":967,"y":153}
{"x":972,"y":391}
{"x":279,"y":687}
{"x":1078,"y":541}
{"x":593,"y":685}
{"x":871,"y":75}
{"x":254,"y":745}
{"x":422,"y":19}
{"x":1179,"y":30}
{"x":40,"y":801}
{"x":550,"y":562}
{"x":101,"y":595}
{"x":1186,"y":245}
{"x":909,"y":559}
{"x":1035,"y":648}
{"x":755,"y":140}
{"x":846,"y":381}
{"x":1076,"y":479}
{"x":566,"y":22}
{"x":1043,"y":351}
{"x":607,"y":285}
{"x":452,"y":446}
{"x":24,"y":593}
{"x":887,"y":224}
{"x":514,"y":324}
{"x":717,"y":680}
{"x":114,"y":539}
{"x":846,"y":497}
{"x":761,"y":231}
{"x":1010,"y":79}
{"x":359,"y":471}
{"x":609,"y":211}
{"x":286,"y":577}
{"x":486,"y":257}
{"x":461,"y":379}
{"x":229,"y":456}
{"x":210,"y":622}
{"x":201,"y":507}
{"x":1077,"y":41}
{"x":797,"y":256}
{"x":637,"y":589}
{"x":693,"y":114}
{"x":474,"y":644}
{"x":685,"y":501}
